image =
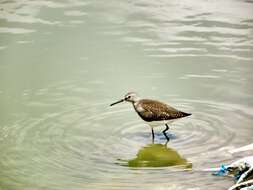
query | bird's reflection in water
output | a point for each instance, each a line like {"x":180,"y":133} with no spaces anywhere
{"x":157,"y":155}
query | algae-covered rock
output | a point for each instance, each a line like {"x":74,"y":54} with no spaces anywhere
{"x":157,"y":155}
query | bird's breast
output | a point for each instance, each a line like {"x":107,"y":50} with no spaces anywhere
{"x":138,"y":107}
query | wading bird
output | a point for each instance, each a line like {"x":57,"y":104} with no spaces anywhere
{"x":154,"y":112}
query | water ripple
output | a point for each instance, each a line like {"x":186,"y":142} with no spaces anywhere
{"x":60,"y":141}
{"x":116,"y":134}
{"x":163,"y":28}
{"x":66,"y":135}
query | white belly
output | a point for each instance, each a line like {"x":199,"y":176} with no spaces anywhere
{"x":159,"y":123}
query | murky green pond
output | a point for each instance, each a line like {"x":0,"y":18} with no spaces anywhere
{"x":63,"y":62}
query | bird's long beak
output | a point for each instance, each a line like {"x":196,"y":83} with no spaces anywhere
{"x":122,"y":100}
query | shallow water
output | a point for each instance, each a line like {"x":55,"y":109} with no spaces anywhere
{"x":63,"y":62}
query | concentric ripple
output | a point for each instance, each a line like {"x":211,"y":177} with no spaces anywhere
{"x":62,"y":63}
{"x":80,"y":144}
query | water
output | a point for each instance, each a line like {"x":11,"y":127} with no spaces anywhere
{"x":63,"y":62}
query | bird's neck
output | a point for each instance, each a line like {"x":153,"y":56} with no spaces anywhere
{"x":135,"y":103}
{"x":136,"y":100}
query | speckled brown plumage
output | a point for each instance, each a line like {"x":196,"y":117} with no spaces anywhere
{"x":152,"y":110}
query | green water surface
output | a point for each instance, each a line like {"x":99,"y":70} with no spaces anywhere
{"x":63,"y":62}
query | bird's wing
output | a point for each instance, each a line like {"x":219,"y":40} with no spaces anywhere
{"x":152,"y":110}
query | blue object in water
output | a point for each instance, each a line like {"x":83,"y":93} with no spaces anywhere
{"x":222,"y":172}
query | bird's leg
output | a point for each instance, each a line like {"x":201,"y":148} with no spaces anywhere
{"x":153,"y":135}
{"x":166,"y":144}
{"x":164,"y":132}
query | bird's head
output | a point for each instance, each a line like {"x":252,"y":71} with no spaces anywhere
{"x":129,"y":97}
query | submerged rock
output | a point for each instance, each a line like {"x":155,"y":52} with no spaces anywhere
{"x":158,"y":155}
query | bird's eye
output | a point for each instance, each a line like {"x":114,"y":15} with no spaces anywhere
{"x":129,"y":97}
